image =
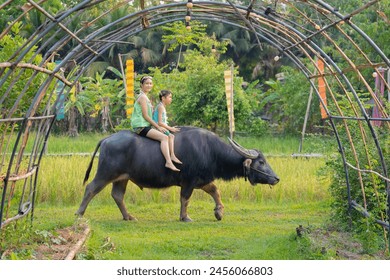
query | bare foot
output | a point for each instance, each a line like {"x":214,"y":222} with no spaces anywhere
{"x":172,"y":167}
{"x":175,"y":159}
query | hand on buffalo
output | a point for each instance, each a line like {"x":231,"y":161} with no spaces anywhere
{"x":175,"y":129}
{"x":162,"y":129}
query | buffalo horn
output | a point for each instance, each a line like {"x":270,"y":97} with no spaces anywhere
{"x":252,"y":154}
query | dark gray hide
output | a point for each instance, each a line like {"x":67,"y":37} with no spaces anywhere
{"x":126,"y":156}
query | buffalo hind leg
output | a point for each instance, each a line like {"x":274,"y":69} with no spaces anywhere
{"x":212,"y":190}
{"x":185,"y":195}
{"x":92,"y":189}
{"x":118,"y":193}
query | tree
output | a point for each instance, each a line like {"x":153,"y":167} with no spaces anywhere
{"x":177,"y":36}
{"x":107,"y":97}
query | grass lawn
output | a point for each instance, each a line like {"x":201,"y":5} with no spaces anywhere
{"x":248,"y":231}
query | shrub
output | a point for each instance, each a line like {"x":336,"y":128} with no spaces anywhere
{"x":366,"y":189}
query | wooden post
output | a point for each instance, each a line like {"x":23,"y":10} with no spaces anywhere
{"x":306,"y":118}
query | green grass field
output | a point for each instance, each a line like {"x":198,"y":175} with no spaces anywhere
{"x":249,"y":230}
{"x":259,"y":222}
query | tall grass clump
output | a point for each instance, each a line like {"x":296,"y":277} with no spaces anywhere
{"x":84,"y":143}
{"x":267,"y":143}
{"x":289,"y":144}
{"x":60,"y":182}
{"x":61,"y":177}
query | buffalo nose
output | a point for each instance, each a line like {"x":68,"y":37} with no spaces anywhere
{"x":276,"y":180}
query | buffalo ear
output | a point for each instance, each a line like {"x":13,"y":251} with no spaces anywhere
{"x":247,"y":163}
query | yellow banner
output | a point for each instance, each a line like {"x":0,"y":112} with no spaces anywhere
{"x":229,"y":98}
{"x":129,"y":87}
{"x":322,"y":88}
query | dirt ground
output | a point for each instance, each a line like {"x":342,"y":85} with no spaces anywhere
{"x":59,"y":245}
{"x":66,"y":241}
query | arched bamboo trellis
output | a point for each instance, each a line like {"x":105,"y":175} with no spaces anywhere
{"x":27,"y":112}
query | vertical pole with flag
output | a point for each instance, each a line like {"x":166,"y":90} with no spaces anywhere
{"x":229,"y":99}
{"x":129,"y":87}
{"x":322,"y":88}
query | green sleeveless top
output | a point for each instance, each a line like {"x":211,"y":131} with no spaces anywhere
{"x":137,"y":120}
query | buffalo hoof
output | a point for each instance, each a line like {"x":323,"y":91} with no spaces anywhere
{"x":186,"y":219}
{"x":218,"y":213}
{"x":130,"y":218}
{"x":79,"y":214}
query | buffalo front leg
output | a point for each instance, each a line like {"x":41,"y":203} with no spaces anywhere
{"x":212,"y":190}
{"x":118,"y":193}
{"x":185,"y":195}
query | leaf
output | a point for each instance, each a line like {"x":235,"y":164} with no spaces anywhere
{"x":115,"y":71}
{"x":73,"y":98}
{"x":273,"y":84}
{"x":80,"y":108}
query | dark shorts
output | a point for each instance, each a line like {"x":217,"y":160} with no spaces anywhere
{"x":142,"y":131}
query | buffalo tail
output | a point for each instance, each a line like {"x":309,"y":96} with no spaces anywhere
{"x":91,"y":162}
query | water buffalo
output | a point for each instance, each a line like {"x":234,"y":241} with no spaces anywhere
{"x":127,"y":156}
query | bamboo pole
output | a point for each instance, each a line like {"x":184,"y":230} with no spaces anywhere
{"x":36,"y":68}
{"x":72,"y":253}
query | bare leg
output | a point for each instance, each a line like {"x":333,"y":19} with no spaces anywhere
{"x":212,"y":190}
{"x":117,"y":193}
{"x":157,"y":135}
{"x":171,"y":139}
{"x":185,"y":195}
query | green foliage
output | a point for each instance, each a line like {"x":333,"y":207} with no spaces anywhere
{"x":77,"y":101}
{"x":10,"y":13}
{"x":366,"y":189}
{"x":20,"y":93}
{"x":373,"y":21}
{"x":286,"y":101}
{"x":177,"y":35}
{"x":99,"y":90}
{"x":14,"y":242}
{"x":97,"y":93}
